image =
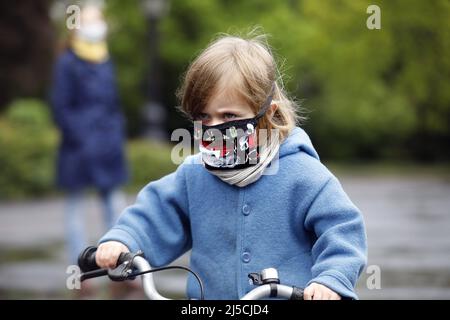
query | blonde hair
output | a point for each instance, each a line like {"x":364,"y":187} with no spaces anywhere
{"x":245,"y":68}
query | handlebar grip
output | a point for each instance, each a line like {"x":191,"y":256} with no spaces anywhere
{"x":124,"y":257}
{"x":297,"y":294}
{"x":86,"y":259}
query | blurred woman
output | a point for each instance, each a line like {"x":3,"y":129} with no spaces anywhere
{"x":86,"y":108}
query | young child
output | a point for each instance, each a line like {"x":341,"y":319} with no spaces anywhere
{"x":224,"y":206}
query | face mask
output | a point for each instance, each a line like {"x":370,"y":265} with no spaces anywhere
{"x":93,"y":32}
{"x":233,"y":144}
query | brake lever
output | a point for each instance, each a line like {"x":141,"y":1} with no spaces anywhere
{"x":124,"y":271}
{"x":121,"y":272}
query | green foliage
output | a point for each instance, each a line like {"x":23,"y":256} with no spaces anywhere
{"x":375,"y":91}
{"x":27,"y":150}
{"x":149,"y":161}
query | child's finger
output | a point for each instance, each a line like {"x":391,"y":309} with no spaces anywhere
{"x":326,"y":295}
{"x":99,"y":257}
{"x":112,"y":256}
{"x":317,"y":294}
{"x":335,"y":296}
{"x":105,"y":257}
{"x":308,"y":293}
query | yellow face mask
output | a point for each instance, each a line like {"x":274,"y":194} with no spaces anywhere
{"x":95,"y":52}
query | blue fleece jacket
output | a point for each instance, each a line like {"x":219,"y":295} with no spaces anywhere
{"x":299,"y":221}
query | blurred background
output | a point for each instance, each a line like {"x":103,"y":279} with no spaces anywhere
{"x":377,"y":102}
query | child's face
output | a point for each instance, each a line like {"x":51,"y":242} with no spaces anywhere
{"x":225,"y":107}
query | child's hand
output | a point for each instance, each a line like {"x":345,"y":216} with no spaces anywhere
{"x":108,"y":253}
{"x":317,"y":291}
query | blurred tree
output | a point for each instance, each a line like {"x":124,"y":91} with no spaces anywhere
{"x":128,"y":46}
{"x":26,"y":48}
{"x":420,"y":71}
{"x":382,"y":91}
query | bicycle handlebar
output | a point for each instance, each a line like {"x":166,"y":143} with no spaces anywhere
{"x":87,"y":264}
{"x":90,"y":269}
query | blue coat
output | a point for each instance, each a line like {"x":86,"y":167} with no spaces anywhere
{"x":85,"y":106}
{"x":299,"y":221}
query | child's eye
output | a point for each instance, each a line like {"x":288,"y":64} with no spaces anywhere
{"x":229,"y":116}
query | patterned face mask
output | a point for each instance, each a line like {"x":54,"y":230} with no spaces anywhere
{"x":233,"y":144}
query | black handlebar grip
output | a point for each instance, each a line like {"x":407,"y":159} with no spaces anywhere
{"x":124,"y":257}
{"x":297,"y":294}
{"x":86,"y":259}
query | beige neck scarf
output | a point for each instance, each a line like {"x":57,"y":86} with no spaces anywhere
{"x":244,"y":177}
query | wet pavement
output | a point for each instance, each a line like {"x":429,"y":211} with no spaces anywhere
{"x":407,"y":220}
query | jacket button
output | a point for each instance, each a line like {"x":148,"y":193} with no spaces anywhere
{"x":246,"y":209}
{"x":246,"y":257}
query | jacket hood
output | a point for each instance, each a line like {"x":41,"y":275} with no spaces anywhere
{"x":298,"y":141}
